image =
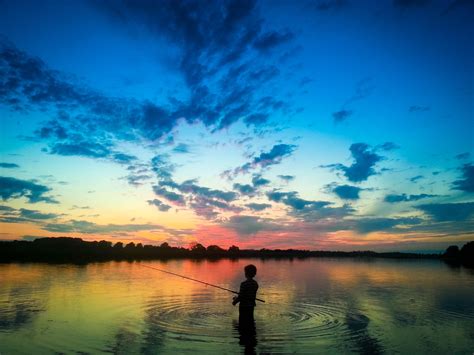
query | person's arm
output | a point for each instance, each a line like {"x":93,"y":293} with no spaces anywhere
{"x":236,"y":299}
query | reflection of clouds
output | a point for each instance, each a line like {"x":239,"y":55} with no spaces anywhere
{"x":18,"y":309}
{"x":22,"y":296}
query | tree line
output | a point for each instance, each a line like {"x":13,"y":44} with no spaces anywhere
{"x":76,"y":249}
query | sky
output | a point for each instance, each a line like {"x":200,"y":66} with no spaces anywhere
{"x":322,"y":125}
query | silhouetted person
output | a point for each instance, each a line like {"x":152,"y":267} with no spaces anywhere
{"x":246,"y":300}
{"x":247,"y":294}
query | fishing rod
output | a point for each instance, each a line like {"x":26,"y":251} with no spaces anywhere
{"x":189,"y":278}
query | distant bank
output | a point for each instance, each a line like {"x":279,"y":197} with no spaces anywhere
{"x":65,"y":249}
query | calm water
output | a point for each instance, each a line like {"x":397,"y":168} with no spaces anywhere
{"x":315,"y":305}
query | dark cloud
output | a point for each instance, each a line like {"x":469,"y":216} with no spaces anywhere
{"x":347,"y":192}
{"x":258,"y":180}
{"x":265,"y":159}
{"x":170,"y":196}
{"x":341,"y":115}
{"x":466,"y":183}
{"x":416,"y":178}
{"x":13,"y":215}
{"x":33,"y":214}
{"x":245,"y":189}
{"x":11,"y":188}
{"x":225,"y":34}
{"x":258,"y":206}
{"x":291,"y":199}
{"x":363,"y":166}
{"x":462,"y":156}
{"x":270,"y":40}
{"x":190,"y":187}
{"x":137,"y":180}
{"x":222,"y":45}
{"x":181,"y":149}
{"x":442,"y":212}
{"x":369,"y":225}
{"x":162,"y":168}
{"x":160,"y":205}
{"x":204,"y":201}
{"x":406,"y":198}
{"x":9,"y":165}
{"x":86,"y":149}
{"x":250,"y":225}
{"x":387,"y":146}
{"x":287,"y":178}
{"x":80,"y":226}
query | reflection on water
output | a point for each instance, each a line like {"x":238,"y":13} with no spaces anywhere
{"x":316,"y":305}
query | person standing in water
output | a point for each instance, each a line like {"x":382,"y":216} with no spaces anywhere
{"x":247,"y":295}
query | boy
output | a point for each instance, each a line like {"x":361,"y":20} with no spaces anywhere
{"x":247,"y":294}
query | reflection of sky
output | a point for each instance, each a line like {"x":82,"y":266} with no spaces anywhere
{"x":366,"y":106}
{"x":348,"y":305}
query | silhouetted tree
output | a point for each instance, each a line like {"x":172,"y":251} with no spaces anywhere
{"x":234,"y":249}
{"x":198,"y":248}
{"x":452,"y":252}
{"x":214,"y":249}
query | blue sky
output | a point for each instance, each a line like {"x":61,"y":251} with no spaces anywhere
{"x":325,"y":124}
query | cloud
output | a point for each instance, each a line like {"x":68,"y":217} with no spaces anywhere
{"x":80,"y":226}
{"x":160,"y":205}
{"x":462,"y":156}
{"x":12,"y":188}
{"x":363,"y":166}
{"x":258,"y":206}
{"x":258,"y":180}
{"x":272,"y":39}
{"x":246,"y":189}
{"x":137,"y":180}
{"x":265,"y":159}
{"x":162,"y":168}
{"x":181,"y":148}
{"x":250,"y":225}
{"x":287,"y":178}
{"x":86,"y":149}
{"x":369,"y":225}
{"x":347,"y":192}
{"x":234,"y":53}
{"x":13,"y":215}
{"x":291,"y":199}
{"x":415,"y":179}
{"x":9,"y":165}
{"x":466,"y":183}
{"x":442,"y":212}
{"x":341,"y":115}
{"x":387,"y":146}
{"x":204,"y":201}
{"x":170,"y":196}
{"x":308,"y":210}
{"x":406,"y":198}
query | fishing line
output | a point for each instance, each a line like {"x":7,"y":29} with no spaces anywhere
{"x":189,"y":278}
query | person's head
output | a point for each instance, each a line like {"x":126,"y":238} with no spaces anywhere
{"x":250,"y":271}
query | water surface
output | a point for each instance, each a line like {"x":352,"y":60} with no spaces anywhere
{"x":312,"y":305}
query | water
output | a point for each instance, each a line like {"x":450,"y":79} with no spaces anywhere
{"x":312,"y":306}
